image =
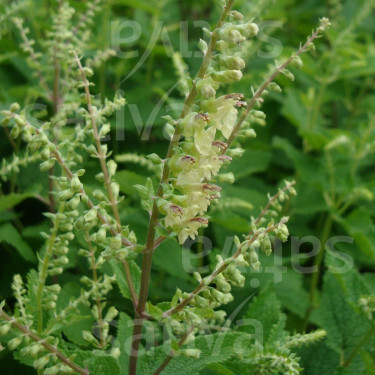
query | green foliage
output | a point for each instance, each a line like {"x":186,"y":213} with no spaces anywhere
{"x":108,"y":198}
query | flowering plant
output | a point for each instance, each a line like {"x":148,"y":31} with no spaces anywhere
{"x":206,"y":136}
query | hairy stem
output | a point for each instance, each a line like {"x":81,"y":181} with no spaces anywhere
{"x":147,"y":257}
{"x":258,"y":94}
{"x":97,"y":296}
{"x":107,"y":178}
{"x":43,"y":272}
{"x":208,"y":280}
{"x":51,"y":348}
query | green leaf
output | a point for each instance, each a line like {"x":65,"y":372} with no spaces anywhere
{"x":265,"y":316}
{"x":214,"y":348}
{"x":11,"y":200}
{"x":124,"y":334}
{"x":103,"y":364}
{"x":118,"y":269}
{"x":345,"y":324}
{"x":10,"y":235}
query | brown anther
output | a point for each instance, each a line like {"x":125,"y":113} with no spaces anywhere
{"x":220,"y":144}
{"x":224,"y":158}
{"x":203,"y":116}
{"x":241,"y":104}
{"x":188,"y":158}
{"x":235,"y":95}
{"x":200,"y":220}
{"x":211,"y":187}
{"x":176,"y":209}
{"x":216,"y":196}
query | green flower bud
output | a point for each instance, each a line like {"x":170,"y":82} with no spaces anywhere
{"x":231,"y":62}
{"x":65,"y":195}
{"x":111,"y":314}
{"x":248,"y":29}
{"x":5,"y":121}
{"x":297,"y":62}
{"x":231,"y":34}
{"x":112,"y":166}
{"x":47,"y":165}
{"x":237,"y":16}
{"x":75,"y":184}
{"x":266,"y":246}
{"x":79,"y":223}
{"x":15,"y":132}
{"x":191,"y":353}
{"x":273,"y":86}
{"x":89,"y":337}
{"x":101,"y":235}
{"x":106,"y":128}
{"x":5,"y":328}
{"x":54,"y":370}
{"x":14,"y":343}
{"x":41,"y":362}
{"x":88,"y":72}
{"x":45,"y":154}
{"x":100,"y":177}
{"x":15,"y":107}
{"x":91,"y":214}
{"x":227,"y":76}
{"x":20,"y":121}
{"x":55,"y":271}
{"x":115,"y":243}
{"x":73,"y":203}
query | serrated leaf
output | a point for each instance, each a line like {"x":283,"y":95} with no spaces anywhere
{"x":265,"y":316}
{"x":214,"y":348}
{"x":118,"y":269}
{"x":102,"y":364}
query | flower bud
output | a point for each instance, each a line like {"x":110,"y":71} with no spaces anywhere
{"x":237,"y":16}
{"x":41,"y":362}
{"x":248,"y":29}
{"x":65,"y":195}
{"x":5,"y":328}
{"x":47,"y":165}
{"x":101,"y":235}
{"x":112,"y":166}
{"x":73,"y":203}
{"x":75,"y":184}
{"x":227,"y":76}
{"x":15,"y":107}
{"x":231,"y":62}
{"x":14,"y":343}
{"x":115,"y":243}
{"x":192,"y":353}
{"x":15,"y":132}
{"x":20,"y":121}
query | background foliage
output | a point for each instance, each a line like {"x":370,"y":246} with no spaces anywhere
{"x":320,"y":131}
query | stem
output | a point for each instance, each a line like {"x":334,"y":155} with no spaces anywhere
{"x":270,"y":201}
{"x":107,"y":178}
{"x":258,"y":94}
{"x":33,"y":57}
{"x":172,"y":353}
{"x":208,"y":280}
{"x":97,"y":297}
{"x":43,"y":273}
{"x":51,"y":348}
{"x":56,"y":154}
{"x":147,"y":257}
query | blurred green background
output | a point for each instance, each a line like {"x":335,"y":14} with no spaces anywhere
{"x":319,"y":131}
